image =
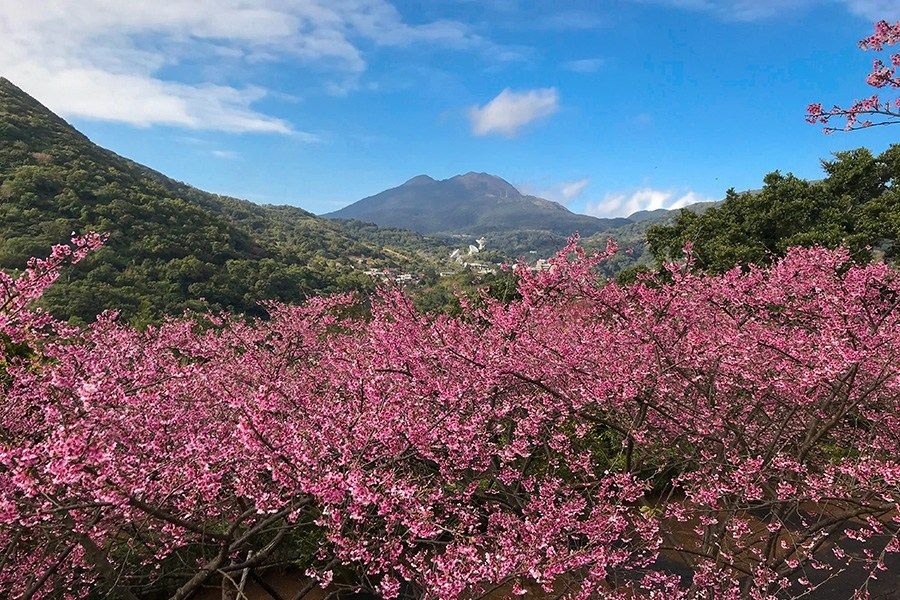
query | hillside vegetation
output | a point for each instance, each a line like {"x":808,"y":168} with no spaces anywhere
{"x":171,"y":247}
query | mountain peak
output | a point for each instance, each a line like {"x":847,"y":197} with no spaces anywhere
{"x":10,"y":90}
{"x":487,"y":184}
{"x":419,"y":179}
{"x":482,"y":177}
{"x":33,"y":123}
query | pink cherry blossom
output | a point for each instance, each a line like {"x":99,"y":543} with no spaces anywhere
{"x":594,"y":440}
{"x":887,"y":111}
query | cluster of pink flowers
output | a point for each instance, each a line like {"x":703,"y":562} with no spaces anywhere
{"x":18,"y":293}
{"x":714,"y":437}
{"x":859,"y":115}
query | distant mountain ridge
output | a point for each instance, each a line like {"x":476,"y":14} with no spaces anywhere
{"x":474,"y":203}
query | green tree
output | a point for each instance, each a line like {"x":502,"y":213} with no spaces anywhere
{"x":857,"y":205}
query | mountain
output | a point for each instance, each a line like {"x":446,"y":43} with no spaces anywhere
{"x":171,"y":246}
{"x":460,"y":209}
{"x":474,"y":203}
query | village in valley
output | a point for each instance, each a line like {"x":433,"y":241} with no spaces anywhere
{"x":459,"y":260}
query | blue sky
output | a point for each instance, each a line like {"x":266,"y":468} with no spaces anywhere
{"x":607,"y":107}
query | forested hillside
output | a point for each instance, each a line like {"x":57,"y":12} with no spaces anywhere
{"x":170,"y":245}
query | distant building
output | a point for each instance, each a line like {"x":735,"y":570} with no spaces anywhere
{"x":479,"y":267}
{"x":538,"y":266}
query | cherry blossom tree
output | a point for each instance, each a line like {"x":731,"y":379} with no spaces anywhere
{"x":874,"y":110}
{"x":720,"y":436}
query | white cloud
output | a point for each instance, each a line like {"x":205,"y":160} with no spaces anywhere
{"x":105,"y":59}
{"x":560,"y":192}
{"x":875,"y":10}
{"x":573,"y":189}
{"x":623,"y":205}
{"x":584,"y":65}
{"x":229,"y":154}
{"x":510,"y":111}
{"x":741,"y":10}
{"x":143,"y":101}
{"x":754,"y":10}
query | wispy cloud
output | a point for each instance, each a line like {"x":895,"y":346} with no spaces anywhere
{"x":571,"y":20}
{"x":539,"y":16}
{"x":573,"y":189}
{"x":562,"y":192}
{"x":754,"y":10}
{"x":736,"y":10}
{"x":228,"y":154}
{"x":584,"y":65}
{"x":105,"y":60}
{"x":509,"y":111}
{"x":624,"y":204}
{"x":875,"y":10}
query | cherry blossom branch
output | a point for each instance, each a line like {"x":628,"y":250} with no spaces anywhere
{"x":872,"y":111}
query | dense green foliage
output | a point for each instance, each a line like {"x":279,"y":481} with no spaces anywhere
{"x":857,"y":205}
{"x":171,"y":247}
